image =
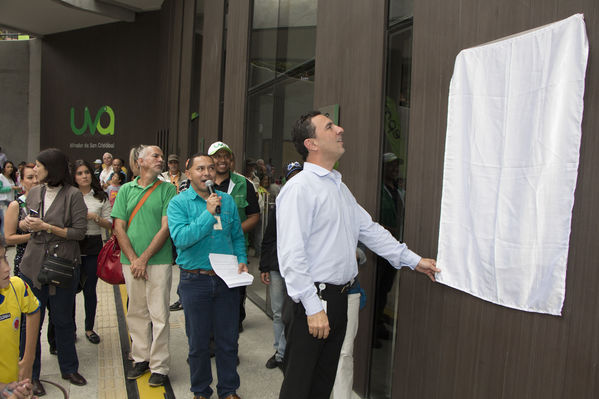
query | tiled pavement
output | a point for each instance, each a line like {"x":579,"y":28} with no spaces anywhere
{"x":102,"y":364}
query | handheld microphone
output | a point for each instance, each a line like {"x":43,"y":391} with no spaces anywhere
{"x":210,"y":185}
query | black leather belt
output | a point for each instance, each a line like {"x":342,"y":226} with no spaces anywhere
{"x":200,"y":271}
{"x":343,"y":288}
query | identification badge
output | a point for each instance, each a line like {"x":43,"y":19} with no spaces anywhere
{"x":324,"y":305}
{"x":218,"y":225}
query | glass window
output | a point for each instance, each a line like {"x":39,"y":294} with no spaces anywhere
{"x":393,"y":189}
{"x":400,"y":10}
{"x":283,"y":38}
{"x":281,"y":88}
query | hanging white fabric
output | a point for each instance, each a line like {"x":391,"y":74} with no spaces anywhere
{"x":511,"y":163}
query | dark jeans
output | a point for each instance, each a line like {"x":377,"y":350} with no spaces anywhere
{"x":61,"y":306}
{"x":89,"y":268}
{"x":51,"y":334}
{"x":311,"y":363}
{"x":210,"y":307}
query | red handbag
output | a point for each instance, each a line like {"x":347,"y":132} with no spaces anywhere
{"x":110,"y":268}
{"x":109,"y":262}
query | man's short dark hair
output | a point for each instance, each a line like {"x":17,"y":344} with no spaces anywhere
{"x":302,"y":130}
{"x":57,"y":166}
{"x":192,"y":159}
{"x":122,"y":177}
{"x":2,"y":242}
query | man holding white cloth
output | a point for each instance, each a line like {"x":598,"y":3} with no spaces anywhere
{"x":319,"y":224}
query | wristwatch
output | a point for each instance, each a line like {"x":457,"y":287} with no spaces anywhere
{"x":97,"y":219}
{"x":49,"y":229}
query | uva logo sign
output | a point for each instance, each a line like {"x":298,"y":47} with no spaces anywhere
{"x":95,"y":124}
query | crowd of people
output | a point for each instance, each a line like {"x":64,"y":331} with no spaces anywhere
{"x":308,"y":258}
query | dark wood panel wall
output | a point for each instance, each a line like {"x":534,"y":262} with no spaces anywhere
{"x":177,"y":26}
{"x":236,"y":75}
{"x":117,"y":65}
{"x":184,"y":84}
{"x":450,"y":344}
{"x":350,"y":53}
{"x":141,"y":69}
{"x":211,"y":71}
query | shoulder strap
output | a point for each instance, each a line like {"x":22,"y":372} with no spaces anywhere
{"x":143,"y":199}
{"x":16,"y":296}
{"x":42,"y":195}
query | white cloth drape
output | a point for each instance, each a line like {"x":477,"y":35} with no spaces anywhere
{"x":511,"y":160}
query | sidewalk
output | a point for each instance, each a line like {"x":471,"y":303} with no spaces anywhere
{"x":102,"y":364}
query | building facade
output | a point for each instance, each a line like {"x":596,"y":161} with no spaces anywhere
{"x":242,"y":71}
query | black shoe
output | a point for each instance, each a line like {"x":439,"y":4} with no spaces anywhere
{"x":37,"y":388}
{"x":93,"y":338}
{"x":176,"y":306}
{"x":273,"y":362}
{"x":53,"y":351}
{"x":75,"y":378}
{"x":138,"y":370}
{"x":157,"y":380}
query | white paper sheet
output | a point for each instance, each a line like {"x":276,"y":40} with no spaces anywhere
{"x":511,"y":161}
{"x":226,"y":267}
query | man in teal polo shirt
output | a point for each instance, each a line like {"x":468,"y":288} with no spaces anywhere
{"x":146,"y":255}
{"x":202,"y":223}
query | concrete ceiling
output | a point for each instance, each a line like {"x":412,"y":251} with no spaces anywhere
{"x":44,"y":17}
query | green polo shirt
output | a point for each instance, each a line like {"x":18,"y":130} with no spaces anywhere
{"x":147,"y":221}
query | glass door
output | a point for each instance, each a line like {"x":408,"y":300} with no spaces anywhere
{"x":393,"y":189}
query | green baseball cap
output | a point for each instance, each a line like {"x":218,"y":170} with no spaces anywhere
{"x":219,"y":145}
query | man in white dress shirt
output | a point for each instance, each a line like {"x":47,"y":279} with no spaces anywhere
{"x":107,"y":171}
{"x":319,"y":224}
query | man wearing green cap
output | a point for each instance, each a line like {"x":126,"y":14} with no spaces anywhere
{"x":242,"y":191}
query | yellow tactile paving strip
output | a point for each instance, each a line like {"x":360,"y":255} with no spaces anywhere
{"x":111,"y":377}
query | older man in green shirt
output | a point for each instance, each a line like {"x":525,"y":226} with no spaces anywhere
{"x":146,"y":255}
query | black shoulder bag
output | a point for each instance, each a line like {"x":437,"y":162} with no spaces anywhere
{"x":55,"y":270}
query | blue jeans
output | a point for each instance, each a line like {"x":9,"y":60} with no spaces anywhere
{"x":61,"y":307}
{"x":210,"y":307}
{"x":278,"y":293}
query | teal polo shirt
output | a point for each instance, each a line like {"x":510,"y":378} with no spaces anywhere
{"x":192,"y":230}
{"x":147,"y":221}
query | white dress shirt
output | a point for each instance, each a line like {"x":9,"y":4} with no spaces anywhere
{"x":101,"y":208}
{"x":105,"y":174}
{"x":319,"y":223}
{"x":10,"y":195}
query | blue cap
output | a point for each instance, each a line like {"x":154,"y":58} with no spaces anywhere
{"x":292,"y":167}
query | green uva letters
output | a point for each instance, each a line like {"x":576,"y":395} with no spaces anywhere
{"x":92,"y":126}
